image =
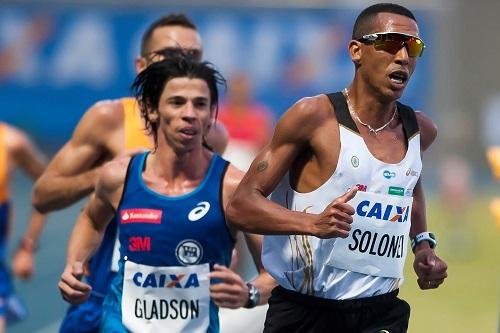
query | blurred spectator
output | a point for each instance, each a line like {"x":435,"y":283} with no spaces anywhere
{"x":456,"y":195}
{"x":493,"y":155}
{"x":249,"y":125}
{"x":16,"y":151}
{"x":16,"y":51}
{"x":248,"y":122}
{"x":491,"y":138}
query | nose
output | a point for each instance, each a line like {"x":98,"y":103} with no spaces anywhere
{"x":189,"y":113}
{"x":402,"y":57}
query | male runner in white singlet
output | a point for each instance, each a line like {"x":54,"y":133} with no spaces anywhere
{"x":344,"y":172}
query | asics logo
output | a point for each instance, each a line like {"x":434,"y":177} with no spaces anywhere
{"x":199,"y":211}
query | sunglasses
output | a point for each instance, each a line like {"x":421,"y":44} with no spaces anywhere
{"x":392,"y":42}
{"x":169,"y":52}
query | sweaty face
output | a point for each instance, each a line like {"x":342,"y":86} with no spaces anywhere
{"x":171,"y":38}
{"x":184,"y":113}
{"x":388,"y":72}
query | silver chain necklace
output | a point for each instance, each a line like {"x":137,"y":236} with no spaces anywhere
{"x":355,"y":115}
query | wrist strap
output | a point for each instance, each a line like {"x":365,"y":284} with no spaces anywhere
{"x":423,"y":236}
{"x":27,"y":244}
{"x":253,"y":296}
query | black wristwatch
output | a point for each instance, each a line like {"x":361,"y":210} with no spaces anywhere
{"x":253,"y":296}
{"x":424,"y":236}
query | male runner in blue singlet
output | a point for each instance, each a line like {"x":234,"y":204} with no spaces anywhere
{"x":170,"y":206}
{"x":108,"y":129}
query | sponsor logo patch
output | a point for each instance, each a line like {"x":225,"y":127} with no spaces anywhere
{"x":140,"y":215}
{"x":157,"y":280}
{"x":139,"y":244}
{"x":199,"y":211}
{"x":361,"y":187}
{"x":380,"y":211}
{"x":394,"y":190}
{"x":389,"y":174}
{"x":189,"y":252}
{"x":411,"y":173}
{"x":355,"y":161}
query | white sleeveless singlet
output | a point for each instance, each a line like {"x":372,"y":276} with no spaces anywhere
{"x":368,"y":262}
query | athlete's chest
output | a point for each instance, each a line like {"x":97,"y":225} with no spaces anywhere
{"x":184,"y":231}
{"x":388,"y":146}
{"x":151,"y":212}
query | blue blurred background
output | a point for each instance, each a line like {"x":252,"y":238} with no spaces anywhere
{"x":75,"y":56}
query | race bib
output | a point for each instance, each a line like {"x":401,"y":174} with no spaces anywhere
{"x":160,"y":299}
{"x":378,"y":241}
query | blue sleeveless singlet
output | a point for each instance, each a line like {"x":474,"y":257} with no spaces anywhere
{"x":159,"y":230}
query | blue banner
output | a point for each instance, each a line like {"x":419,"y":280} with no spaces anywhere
{"x":56,"y":64}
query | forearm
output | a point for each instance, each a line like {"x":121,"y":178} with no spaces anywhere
{"x":84,"y":241}
{"x":256,"y":214}
{"x":418,"y":214}
{"x":56,"y":192}
{"x":265,"y":283}
{"x":34,"y":230}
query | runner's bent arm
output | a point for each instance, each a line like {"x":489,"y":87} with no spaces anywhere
{"x":89,"y":230}
{"x":264,"y":281}
{"x":32,"y":162}
{"x":71,"y":174}
{"x":428,"y":133}
{"x":250,"y":210}
{"x":430,"y":269}
{"x":231,"y":291}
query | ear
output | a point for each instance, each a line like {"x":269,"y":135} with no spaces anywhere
{"x":212,"y":119}
{"x":140,"y":64}
{"x":355,"y":51}
{"x":153,"y":115}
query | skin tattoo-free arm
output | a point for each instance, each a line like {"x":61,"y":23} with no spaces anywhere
{"x":430,"y":269}
{"x":89,"y":230}
{"x":72,"y":173}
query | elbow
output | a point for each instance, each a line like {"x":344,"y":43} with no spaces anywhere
{"x":234,"y":214}
{"x":38,"y":198}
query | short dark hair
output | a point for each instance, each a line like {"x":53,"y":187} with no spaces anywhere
{"x":180,"y":20}
{"x":149,"y":84}
{"x":366,"y":19}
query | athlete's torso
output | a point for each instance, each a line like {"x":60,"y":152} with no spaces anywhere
{"x":159,"y":235}
{"x":310,"y":265}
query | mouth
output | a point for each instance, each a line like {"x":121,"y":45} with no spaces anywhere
{"x":399,"y":77}
{"x":188,"y":132}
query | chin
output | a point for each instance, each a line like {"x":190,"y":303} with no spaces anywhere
{"x":394,"y":94}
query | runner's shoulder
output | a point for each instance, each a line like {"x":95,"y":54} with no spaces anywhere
{"x":307,"y":114}
{"x":428,"y":129}
{"x":112,"y":174}
{"x":106,"y":113}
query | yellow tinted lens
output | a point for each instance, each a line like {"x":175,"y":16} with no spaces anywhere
{"x":392,"y":43}
{"x":415,"y":47}
{"x":388,"y":45}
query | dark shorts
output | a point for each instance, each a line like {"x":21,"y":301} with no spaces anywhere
{"x":290,"y":312}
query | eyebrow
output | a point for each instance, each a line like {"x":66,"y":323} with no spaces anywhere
{"x":197,"y":98}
